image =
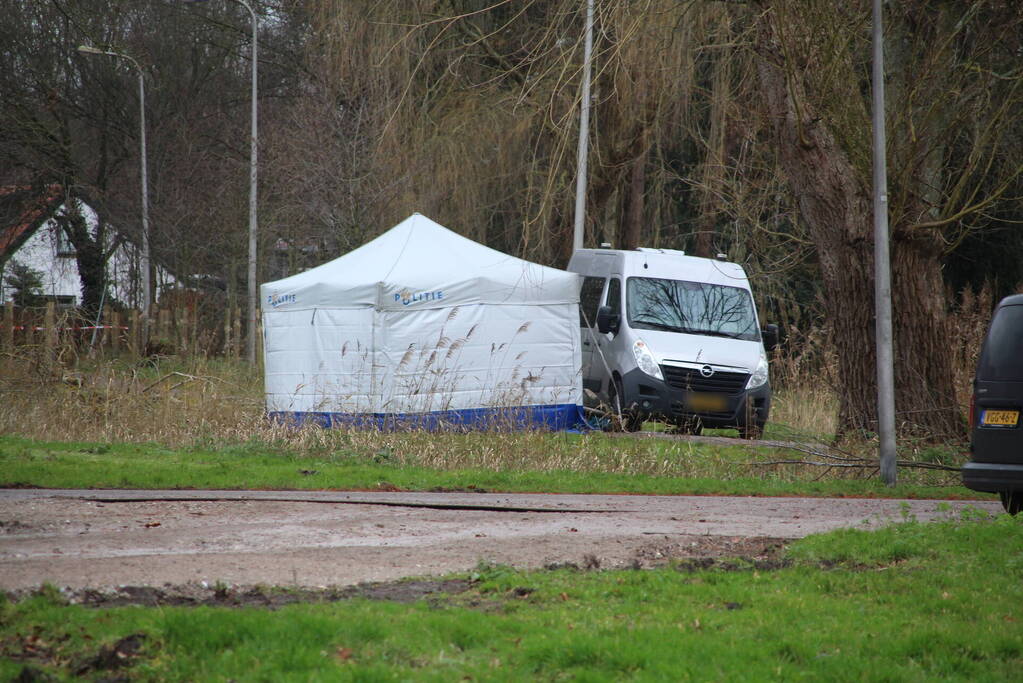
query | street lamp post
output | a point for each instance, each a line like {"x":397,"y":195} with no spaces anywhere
{"x":250,"y":342}
{"x":882,"y":266}
{"x":147,"y":293}
{"x":584,"y":135}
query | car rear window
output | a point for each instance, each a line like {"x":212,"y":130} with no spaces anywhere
{"x":1002,"y":356}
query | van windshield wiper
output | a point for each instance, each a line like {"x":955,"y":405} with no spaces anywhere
{"x":660,"y":326}
{"x":657,"y":325}
{"x":717,"y":333}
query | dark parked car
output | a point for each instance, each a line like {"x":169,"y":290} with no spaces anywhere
{"x":996,"y":435}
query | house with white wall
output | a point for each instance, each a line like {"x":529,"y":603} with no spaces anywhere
{"x":31,"y":235}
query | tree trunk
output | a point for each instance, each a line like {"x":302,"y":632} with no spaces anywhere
{"x":924,"y":380}
{"x":835,"y":202}
{"x":632,"y":212}
{"x":713,"y":166}
{"x":88,"y":254}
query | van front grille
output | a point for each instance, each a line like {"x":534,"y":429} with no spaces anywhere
{"x":692,"y":380}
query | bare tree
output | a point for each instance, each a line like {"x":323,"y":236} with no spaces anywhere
{"x":953,"y":89}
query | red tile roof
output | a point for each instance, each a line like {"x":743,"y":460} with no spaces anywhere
{"x":25,"y":208}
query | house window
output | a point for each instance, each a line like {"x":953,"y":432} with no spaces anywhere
{"x":64,"y":247}
{"x":63,"y":300}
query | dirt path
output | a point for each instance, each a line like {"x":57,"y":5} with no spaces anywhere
{"x":95,"y":539}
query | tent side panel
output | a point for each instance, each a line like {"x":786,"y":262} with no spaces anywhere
{"x":552,"y":417}
{"x":319,"y":360}
{"x":481,"y":356}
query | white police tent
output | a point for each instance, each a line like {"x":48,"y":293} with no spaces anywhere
{"x":423,"y":327}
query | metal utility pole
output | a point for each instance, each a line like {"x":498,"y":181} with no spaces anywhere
{"x":250,"y":342}
{"x":882,"y":268}
{"x":584,"y":134}
{"x":253,"y":307}
{"x":147,"y":291}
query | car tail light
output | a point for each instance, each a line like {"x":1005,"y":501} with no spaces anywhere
{"x":973,"y":410}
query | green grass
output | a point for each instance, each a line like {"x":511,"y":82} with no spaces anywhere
{"x":194,"y":422}
{"x":915,"y":601}
{"x":555,"y":463}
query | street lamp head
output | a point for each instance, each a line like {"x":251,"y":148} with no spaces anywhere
{"x":90,"y":50}
{"x":146,"y":291}
{"x":240,"y":2}
{"x":250,"y":339}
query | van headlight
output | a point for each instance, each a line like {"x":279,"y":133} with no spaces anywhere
{"x":645,"y":359}
{"x":759,"y":376}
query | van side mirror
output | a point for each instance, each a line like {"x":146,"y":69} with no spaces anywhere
{"x":769,"y":333}
{"x":607,"y":321}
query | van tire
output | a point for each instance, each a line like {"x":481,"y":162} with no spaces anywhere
{"x":692,"y":426}
{"x":751,"y":431}
{"x":750,"y":427}
{"x":1012,"y":501}
{"x":630,"y":422}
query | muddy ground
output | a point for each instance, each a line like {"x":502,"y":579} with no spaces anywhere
{"x":230,"y":547}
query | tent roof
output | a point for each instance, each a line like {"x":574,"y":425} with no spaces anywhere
{"x":419,"y":263}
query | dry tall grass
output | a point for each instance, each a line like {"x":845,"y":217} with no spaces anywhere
{"x":805,"y":374}
{"x":211,"y":402}
{"x":174,"y":402}
{"x":807,"y":412}
{"x":215,"y":403}
{"x":804,"y":379}
{"x":968,"y":325}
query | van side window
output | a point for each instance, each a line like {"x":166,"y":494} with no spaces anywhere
{"x":589,"y":299}
{"x":614,"y":295}
{"x":1000,"y":358}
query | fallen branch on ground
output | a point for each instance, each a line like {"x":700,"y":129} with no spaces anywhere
{"x":188,"y":378}
{"x":864,"y":463}
{"x":831,"y":458}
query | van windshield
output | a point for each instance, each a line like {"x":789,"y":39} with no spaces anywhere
{"x":1001,"y":359}
{"x":691,"y":307}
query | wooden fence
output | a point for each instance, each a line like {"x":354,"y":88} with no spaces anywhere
{"x":173,"y":330}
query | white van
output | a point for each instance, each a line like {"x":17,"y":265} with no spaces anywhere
{"x":673,"y":338}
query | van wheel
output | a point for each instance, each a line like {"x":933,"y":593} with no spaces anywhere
{"x":1012,"y":501}
{"x":693,"y":426}
{"x":631,"y":422}
{"x":754,"y":430}
{"x":750,"y":427}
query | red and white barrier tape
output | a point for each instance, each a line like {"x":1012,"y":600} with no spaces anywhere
{"x":83,"y":327}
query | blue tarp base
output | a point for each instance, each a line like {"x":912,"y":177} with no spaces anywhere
{"x":564,"y":417}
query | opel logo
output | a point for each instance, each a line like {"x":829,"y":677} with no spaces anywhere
{"x":707,"y":371}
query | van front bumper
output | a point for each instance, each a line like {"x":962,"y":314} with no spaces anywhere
{"x":993,"y":477}
{"x":653,"y":398}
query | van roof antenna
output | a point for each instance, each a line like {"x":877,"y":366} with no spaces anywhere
{"x":605,"y":245}
{"x":722,"y":257}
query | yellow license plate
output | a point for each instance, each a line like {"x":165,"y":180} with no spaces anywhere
{"x":1000,"y":418}
{"x":706,"y":403}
